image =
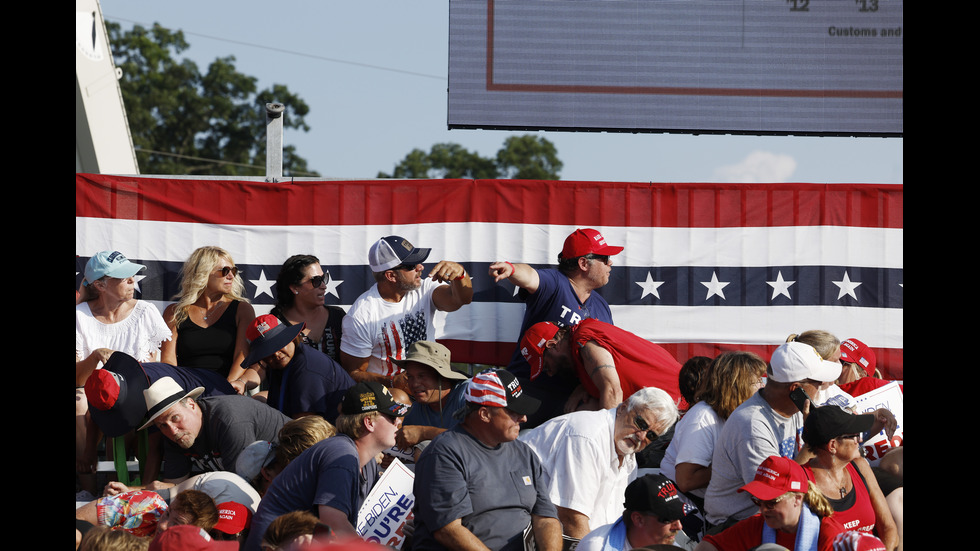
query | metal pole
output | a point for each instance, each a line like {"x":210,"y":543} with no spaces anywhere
{"x":273,"y":141}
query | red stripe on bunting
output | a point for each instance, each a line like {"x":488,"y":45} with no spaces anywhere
{"x":235,"y":202}
{"x":890,"y":361}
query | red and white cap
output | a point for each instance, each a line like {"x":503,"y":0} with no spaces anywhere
{"x":776,"y":476}
{"x":855,"y":351}
{"x":499,"y":388}
{"x":233,"y":517}
{"x":266,"y":335}
{"x":585,"y":241}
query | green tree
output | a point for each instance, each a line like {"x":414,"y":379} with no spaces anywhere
{"x":525,"y":157}
{"x":186,"y":122}
{"x":528,"y":157}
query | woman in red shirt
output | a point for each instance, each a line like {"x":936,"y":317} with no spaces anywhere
{"x":843,"y":476}
{"x":792,"y":513}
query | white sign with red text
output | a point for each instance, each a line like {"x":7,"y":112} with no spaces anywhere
{"x":389,"y":505}
{"x":890,"y":397}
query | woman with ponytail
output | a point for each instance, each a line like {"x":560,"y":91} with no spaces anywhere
{"x":793,"y":513}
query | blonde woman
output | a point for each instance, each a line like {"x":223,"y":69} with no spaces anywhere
{"x":792,"y":513}
{"x":826,"y":344}
{"x":210,"y":316}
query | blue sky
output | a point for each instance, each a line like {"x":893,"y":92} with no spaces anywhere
{"x":374,"y":75}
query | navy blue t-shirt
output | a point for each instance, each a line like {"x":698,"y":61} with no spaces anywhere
{"x":312,"y":383}
{"x":327,"y":473}
{"x":555,"y":301}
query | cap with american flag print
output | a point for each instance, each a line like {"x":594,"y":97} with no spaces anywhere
{"x":499,"y":388}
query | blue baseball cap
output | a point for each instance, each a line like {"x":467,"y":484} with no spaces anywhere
{"x":392,"y":251}
{"x":112,"y":264}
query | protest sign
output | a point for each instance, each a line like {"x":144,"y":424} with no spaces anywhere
{"x":382,"y":516}
{"x":890,"y":397}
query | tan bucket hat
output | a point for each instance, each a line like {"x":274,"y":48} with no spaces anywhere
{"x":433,"y":355}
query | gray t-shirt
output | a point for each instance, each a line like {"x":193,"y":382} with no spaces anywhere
{"x":230,"y":423}
{"x":752,"y":433}
{"x":493,"y":491}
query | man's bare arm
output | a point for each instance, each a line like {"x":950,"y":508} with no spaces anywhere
{"x":456,"y":536}
{"x":521,"y":275}
{"x":573,"y":523}
{"x":547,"y":533}
{"x":601,"y":367}
{"x":459,"y":292}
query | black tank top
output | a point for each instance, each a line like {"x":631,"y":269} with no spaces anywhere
{"x":211,"y":348}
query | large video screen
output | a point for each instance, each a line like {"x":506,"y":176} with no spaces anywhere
{"x":823,"y":67}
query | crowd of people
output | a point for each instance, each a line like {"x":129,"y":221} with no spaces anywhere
{"x":268,"y":432}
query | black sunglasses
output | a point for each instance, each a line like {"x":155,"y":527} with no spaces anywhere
{"x":643,"y":426}
{"x":233,"y":270}
{"x":317,"y":281}
{"x":406,"y":267}
{"x":770,"y":504}
{"x":604,"y":258}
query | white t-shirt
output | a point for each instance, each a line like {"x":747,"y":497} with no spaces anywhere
{"x":138,"y":335}
{"x":581,"y":465}
{"x":694,"y":441}
{"x":384,"y":330}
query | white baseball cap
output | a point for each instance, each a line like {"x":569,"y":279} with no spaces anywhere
{"x":796,"y":361}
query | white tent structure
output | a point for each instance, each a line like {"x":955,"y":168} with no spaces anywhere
{"x":103,"y":144}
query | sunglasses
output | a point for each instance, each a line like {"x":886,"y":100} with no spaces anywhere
{"x":604,"y":258}
{"x":660,"y":519}
{"x":225,"y":270}
{"x":771,"y":504}
{"x":317,"y":281}
{"x":406,"y":267}
{"x":641,"y":424}
{"x":856,"y":436}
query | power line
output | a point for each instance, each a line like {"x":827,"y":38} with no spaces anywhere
{"x":213,"y":161}
{"x":300,"y":54}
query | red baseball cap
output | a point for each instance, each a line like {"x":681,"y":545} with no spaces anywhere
{"x":532,"y":345}
{"x":187,"y":537}
{"x":776,"y":476}
{"x":585,"y":241}
{"x":855,"y":351}
{"x":233,"y":517}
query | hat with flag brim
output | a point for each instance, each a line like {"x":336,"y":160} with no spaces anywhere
{"x":115,"y":395}
{"x":499,"y":388}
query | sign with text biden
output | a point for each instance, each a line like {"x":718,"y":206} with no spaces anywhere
{"x":696,"y":66}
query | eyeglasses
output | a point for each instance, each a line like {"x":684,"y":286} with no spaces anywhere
{"x":406,"y":267}
{"x":660,"y":519}
{"x":856,"y":436}
{"x":390,"y":418}
{"x":225,"y":270}
{"x":771,"y":504}
{"x":318,"y":280}
{"x":604,"y":258}
{"x":641,"y":424}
